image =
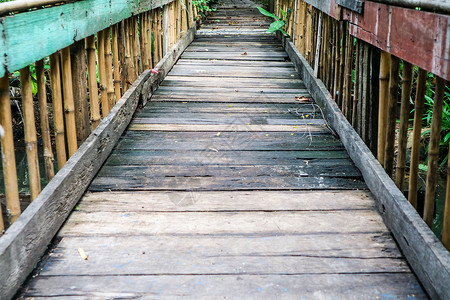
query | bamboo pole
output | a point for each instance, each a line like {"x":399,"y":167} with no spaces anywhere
{"x":8,"y":156}
{"x":58,"y":111}
{"x":108,"y":68}
{"x":134,"y":46}
{"x":137,"y":47}
{"x":69,"y":108}
{"x":433,"y":152}
{"x":45,"y":127}
{"x":155,"y":36}
{"x":337,"y":57}
{"x":115,"y":44}
{"x":122,"y":55}
{"x":343,"y":34}
{"x":102,"y":72}
{"x":30,"y":133}
{"x":383,"y":104}
{"x":446,"y":219}
{"x":178,"y":20}
{"x":128,"y":56}
{"x":346,"y":101}
{"x":356,"y":93}
{"x":160,"y":34}
{"x":92,"y":78}
{"x":404,"y":122}
{"x":391,"y":116}
{"x":145,"y":40}
{"x":79,"y":88}
{"x":417,"y":131}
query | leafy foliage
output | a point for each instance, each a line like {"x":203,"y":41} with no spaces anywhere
{"x":279,"y":23}
{"x":203,"y":6}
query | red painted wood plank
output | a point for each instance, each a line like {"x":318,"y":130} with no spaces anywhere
{"x":421,"y":38}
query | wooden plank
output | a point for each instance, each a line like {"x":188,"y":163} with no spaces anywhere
{"x":33,"y":35}
{"x":221,"y":223}
{"x":213,"y":156}
{"x":277,"y":56}
{"x":220,"y":90}
{"x":419,"y":37}
{"x":216,"y":255}
{"x":230,"y":82}
{"x":344,"y":170}
{"x":228,"y":201}
{"x":230,"y":98}
{"x":427,"y":256}
{"x":28,"y":238}
{"x":231,"y":120}
{"x":244,"y":286}
{"x":144,"y":183}
{"x":229,"y":128}
{"x":236,"y":72}
{"x":197,"y":62}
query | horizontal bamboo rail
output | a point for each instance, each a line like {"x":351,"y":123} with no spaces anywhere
{"x":347,"y":51}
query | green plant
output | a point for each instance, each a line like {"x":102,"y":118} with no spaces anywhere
{"x":203,"y":6}
{"x":280,"y":24}
{"x":445,"y":127}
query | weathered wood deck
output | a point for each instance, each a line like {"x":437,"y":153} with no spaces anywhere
{"x":225,"y":185}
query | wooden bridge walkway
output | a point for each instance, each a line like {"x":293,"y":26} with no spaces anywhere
{"x":228,"y":184}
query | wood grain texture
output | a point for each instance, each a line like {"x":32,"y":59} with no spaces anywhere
{"x":220,"y":210}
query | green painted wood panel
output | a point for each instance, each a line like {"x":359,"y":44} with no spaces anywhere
{"x":31,"y":36}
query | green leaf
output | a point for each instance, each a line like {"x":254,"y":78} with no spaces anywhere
{"x":266,"y":13}
{"x":423,"y":167}
{"x":283,"y":12}
{"x":277,"y":25}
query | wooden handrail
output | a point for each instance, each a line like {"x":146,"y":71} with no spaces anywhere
{"x":23,"y":5}
{"x":438,"y":6}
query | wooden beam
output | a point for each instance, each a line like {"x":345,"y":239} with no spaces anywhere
{"x":31,"y":36}
{"x":418,"y":37}
{"x":28,"y":238}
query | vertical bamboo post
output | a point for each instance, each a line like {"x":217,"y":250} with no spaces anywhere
{"x":191,"y":13}
{"x":92,"y":78}
{"x":145,"y":41}
{"x":343,"y":34}
{"x":160,"y":34}
{"x":122,"y":55}
{"x":356,"y":93}
{"x":417,"y":131}
{"x":318,"y":44}
{"x":137,"y":47}
{"x":391,"y":116}
{"x":8,"y":156}
{"x":102,"y":72}
{"x":178,"y":20}
{"x":45,"y":127}
{"x":404,"y":121}
{"x":79,"y":87}
{"x":58,"y":111}
{"x":383,"y":104}
{"x":69,"y":108}
{"x":115,"y":44}
{"x":149,"y":39}
{"x":337,"y":57}
{"x":433,"y":152}
{"x":30,"y":133}
{"x":446,"y":220}
{"x":155,"y":36}
{"x":346,"y":101}
{"x":136,"y":51}
{"x":108,"y":68}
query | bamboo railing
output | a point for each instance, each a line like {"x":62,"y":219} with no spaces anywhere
{"x":367,"y":85}
{"x":375,"y":65}
{"x":135,"y":37}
